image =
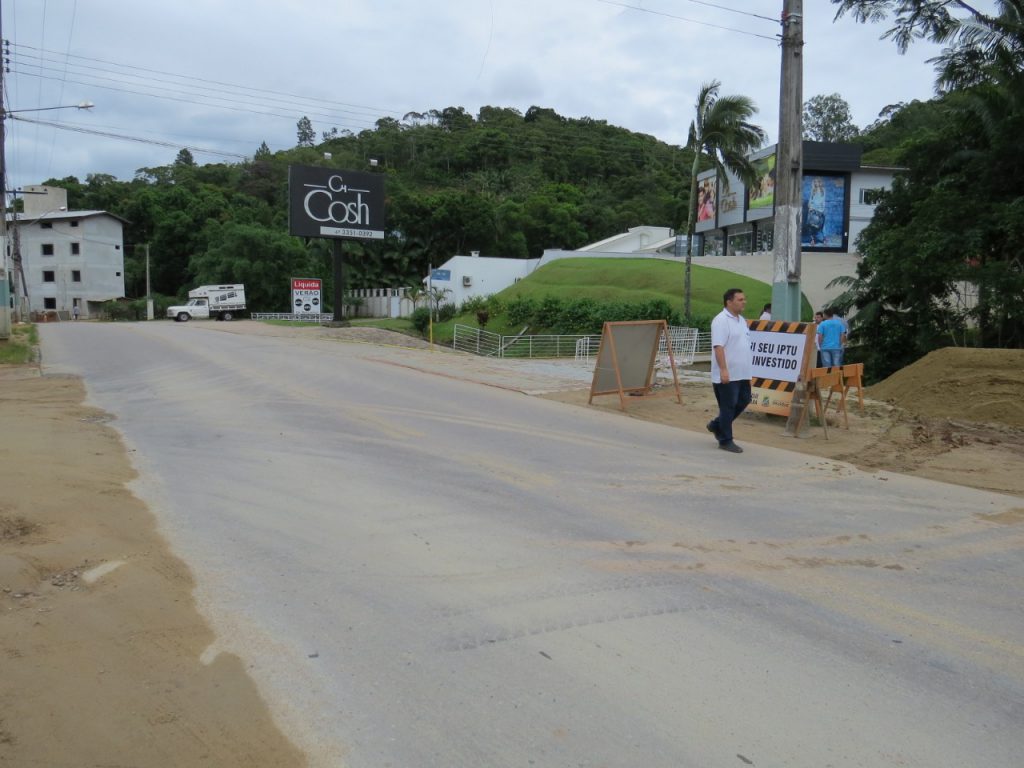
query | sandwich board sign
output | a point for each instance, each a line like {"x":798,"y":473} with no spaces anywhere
{"x":782,"y":351}
{"x":626,"y":358}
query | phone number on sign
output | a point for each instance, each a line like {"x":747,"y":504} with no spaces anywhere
{"x":366,"y":234}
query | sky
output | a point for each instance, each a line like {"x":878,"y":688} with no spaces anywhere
{"x":226,"y":75}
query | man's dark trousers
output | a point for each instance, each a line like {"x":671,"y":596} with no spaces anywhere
{"x":733,"y":398}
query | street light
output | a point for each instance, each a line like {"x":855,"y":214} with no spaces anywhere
{"x":79,"y":105}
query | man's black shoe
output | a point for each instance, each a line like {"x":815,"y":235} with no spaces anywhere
{"x":711,"y":427}
{"x":730,"y":447}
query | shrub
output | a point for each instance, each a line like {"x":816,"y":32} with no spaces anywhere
{"x":549,"y":312}
{"x":521,"y":310}
{"x":472,"y":305}
{"x":446,"y":312}
{"x":420,"y":319}
{"x":578,"y":316}
{"x":120,"y":310}
{"x":495,"y":305}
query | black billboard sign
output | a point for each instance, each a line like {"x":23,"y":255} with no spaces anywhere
{"x":326,"y":202}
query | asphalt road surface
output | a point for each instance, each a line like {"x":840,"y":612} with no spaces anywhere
{"x":423,"y":571}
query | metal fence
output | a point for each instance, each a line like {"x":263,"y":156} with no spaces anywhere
{"x":481,"y":342}
{"x":687,"y":344}
{"x":304,"y":318}
{"x":477,"y":341}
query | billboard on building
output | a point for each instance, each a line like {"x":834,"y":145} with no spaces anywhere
{"x":762,"y":195}
{"x":824,"y":212}
{"x":707,"y":199}
{"x":307,"y":296}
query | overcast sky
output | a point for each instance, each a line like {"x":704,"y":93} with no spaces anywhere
{"x":226,"y":75}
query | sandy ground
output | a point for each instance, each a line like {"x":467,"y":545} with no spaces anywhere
{"x":100,"y":640}
{"x":101,"y":646}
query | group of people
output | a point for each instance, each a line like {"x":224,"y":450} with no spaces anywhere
{"x":732,"y":359}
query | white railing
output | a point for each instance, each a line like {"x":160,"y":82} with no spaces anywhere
{"x":480,"y":342}
{"x":477,"y":341}
{"x":684,"y":344}
{"x":301,"y":318}
{"x":687,"y":344}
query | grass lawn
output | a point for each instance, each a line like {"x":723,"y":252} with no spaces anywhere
{"x":636,"y":280}
{"x":623,"y":280}
{"x":18,"y":348}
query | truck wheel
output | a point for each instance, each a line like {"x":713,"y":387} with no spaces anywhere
{"x":182,"y":317}
{"x":226,"y":316}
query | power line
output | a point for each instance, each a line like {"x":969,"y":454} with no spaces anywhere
{"x":362,"y":107}
{"x":774,"y":39}
{"x":138,"y":139}
{"x":734,"y":10}
{"x":202,"y":90}
{"x":218,"y":105}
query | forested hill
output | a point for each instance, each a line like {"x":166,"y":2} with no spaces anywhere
{"x":501,"y":182}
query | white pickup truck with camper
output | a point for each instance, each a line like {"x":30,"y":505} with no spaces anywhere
{"x":222,"y":302}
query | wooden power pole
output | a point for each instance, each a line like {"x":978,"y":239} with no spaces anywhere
{"x":789,"y":167}
{"x":5,"y":294}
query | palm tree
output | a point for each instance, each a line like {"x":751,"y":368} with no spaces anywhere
{"x":722,"y":135}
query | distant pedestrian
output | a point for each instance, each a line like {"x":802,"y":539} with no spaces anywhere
{"x":766,"y":313}
{"x":75,"y":311}
{"x":731,"y":364}
{"x":819,"y":318}
{"x":831,"y":339}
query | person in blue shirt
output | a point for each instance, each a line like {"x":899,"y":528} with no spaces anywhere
{"x":831,"y":339}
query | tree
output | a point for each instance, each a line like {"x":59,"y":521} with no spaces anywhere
{"x":721,"y":135}
{"x":305,"y":133}
{"x":827,"y":118}
{"x":976,"y":43}
{"x":185,"y":159}
{"x":956,"y":219}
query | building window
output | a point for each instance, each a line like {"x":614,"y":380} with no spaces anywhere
{"x":75,"y":249}
{"x":871,"y":195}
{"x":50,"y":303}
{"x":47,"y":249}
{"x":76,"y":275}
{"x":49,"y":276}
{"x":46,"y":225}
{"x":74,"y":222}
{"x":117,"y":274}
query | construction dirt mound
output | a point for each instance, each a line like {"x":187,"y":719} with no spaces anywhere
{"x":978,"y":385}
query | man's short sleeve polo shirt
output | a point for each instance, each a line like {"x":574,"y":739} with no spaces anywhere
{"x":730,"y":332}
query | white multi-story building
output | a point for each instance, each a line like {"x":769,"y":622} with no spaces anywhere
{"x":70,"y":259}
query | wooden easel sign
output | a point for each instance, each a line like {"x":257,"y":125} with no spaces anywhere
{"x":626,"y":357}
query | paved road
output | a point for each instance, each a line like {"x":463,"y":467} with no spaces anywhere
{"x":425,"y":571}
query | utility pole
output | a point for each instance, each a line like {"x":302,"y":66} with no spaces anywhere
{"x":5,"y":280}
{"x":789,"y":167}
{"x":149,"y":296}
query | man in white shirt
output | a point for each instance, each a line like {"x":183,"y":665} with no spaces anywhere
{"x":731,"y":363}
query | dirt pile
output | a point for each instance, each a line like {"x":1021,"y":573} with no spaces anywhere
{"x":979,"y":385}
